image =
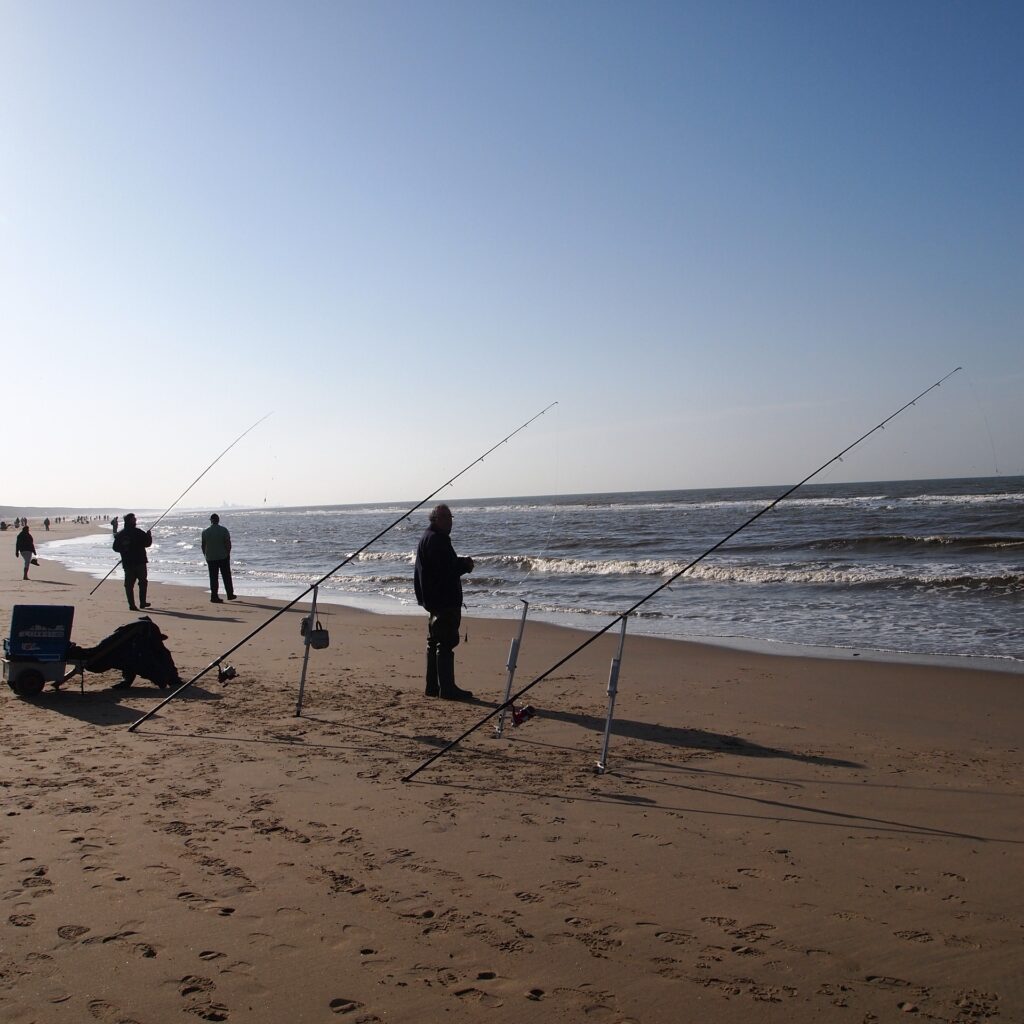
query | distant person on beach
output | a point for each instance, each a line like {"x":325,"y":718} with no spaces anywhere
{"x":438,"y":584}
{"x":25,"y":548}
{"x":113,"y":523}
{"x":46,"y":523}
{"x":131,"y":543}
{"x":216,"y":544}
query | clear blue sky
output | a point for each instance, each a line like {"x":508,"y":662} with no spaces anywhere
{"x":726,"y":237}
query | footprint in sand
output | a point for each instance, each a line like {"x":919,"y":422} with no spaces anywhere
{"x":885,"y":981}
{"x":192,"y":984}
{"x":342,"y":1005}
{"x":193,"y":899}
{"x":22,"y":920}
{"x":71,"y":931}
{"x":476,"y":995}
{"x":108,"y":1013}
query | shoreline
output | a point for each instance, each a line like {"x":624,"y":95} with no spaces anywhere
{"x":753,"y":645}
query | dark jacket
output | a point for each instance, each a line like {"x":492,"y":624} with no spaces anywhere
{"x":439,"y":570}
{"x":24,"y":543}
{"x":131,"y":543}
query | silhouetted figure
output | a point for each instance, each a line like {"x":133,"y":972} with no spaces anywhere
{"x":131,"y":543}
{"x":438,"y":584}
{"x":25,"y":548}
{"x":216,"y":544}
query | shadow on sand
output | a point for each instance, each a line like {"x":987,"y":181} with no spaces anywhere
{"x":104,"y":707}
{"x":692,"y":739}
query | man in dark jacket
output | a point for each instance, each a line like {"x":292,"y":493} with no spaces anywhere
{"x":25,"y":548}
{"x":438,"y":584}
{"x":216,"y":545}
{"x":131,"y":543}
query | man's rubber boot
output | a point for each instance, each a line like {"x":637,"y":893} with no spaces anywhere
{"x":447,"y":690}
{"x":431,"y":689}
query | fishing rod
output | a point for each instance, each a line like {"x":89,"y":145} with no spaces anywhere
{"x":355,"y":554}
{"x":657,"y":590}
{"x":184,"y":492}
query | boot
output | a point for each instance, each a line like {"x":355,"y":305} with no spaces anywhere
{"x":447,"y":690}
{"x":431,"y":688}
{"x":142,"y":595}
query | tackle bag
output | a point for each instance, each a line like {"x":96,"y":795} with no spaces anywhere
{"x":136,"y":649}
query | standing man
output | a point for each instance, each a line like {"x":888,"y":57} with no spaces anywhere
{"x":438,"y":584}
{"x":25,"y":547}
{"x":131,"y":543}
{"x":217,"y":551}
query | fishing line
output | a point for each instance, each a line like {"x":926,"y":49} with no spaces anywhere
{"x":355,"y":554}
{"x":657,"y":590}
{"x":988,"y":427}
{"x":184,"y":492}
{"x":546,"y":546}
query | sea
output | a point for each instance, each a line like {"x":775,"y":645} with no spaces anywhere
{"x":919,"y":568}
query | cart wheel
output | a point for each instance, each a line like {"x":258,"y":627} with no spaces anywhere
{"x":29,"y":683}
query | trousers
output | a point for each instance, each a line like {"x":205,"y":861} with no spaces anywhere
{"x":223,"y":566}
{"x":133,"y":574}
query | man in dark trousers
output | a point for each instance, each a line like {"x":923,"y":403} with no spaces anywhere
{"x":438,"y":584}
{"x":216,"y":544}
{"x":131,"y":543}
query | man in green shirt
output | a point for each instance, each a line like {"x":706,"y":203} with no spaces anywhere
{"x":217,"y":551}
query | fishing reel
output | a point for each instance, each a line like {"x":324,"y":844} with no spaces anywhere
{"x":225,"y":673}
{"x":523,"y":714}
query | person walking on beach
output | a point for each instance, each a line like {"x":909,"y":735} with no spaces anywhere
{"x":131,"y":543}
{"x":25,"y":547}
{"x":216,"y":544}
{"x":438,"y":585}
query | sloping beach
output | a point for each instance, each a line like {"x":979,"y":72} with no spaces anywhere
{"x":777,"y":838}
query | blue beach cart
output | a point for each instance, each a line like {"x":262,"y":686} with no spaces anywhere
{"x":36,"y":651}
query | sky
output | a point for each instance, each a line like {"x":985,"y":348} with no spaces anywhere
{"x":727,"y":238}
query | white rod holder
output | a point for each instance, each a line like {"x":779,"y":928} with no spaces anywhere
{"x":613,"y":689}
{"x":310,"y":626}
{"x":513,"y":658}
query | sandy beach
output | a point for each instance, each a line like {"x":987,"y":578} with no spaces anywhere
{"x":776,"y":838}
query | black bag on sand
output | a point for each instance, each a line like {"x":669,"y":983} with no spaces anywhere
{"x":136,"y":649}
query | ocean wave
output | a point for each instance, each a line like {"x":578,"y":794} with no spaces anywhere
{"x":871,"y":542}
{"x":853,"y":575}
